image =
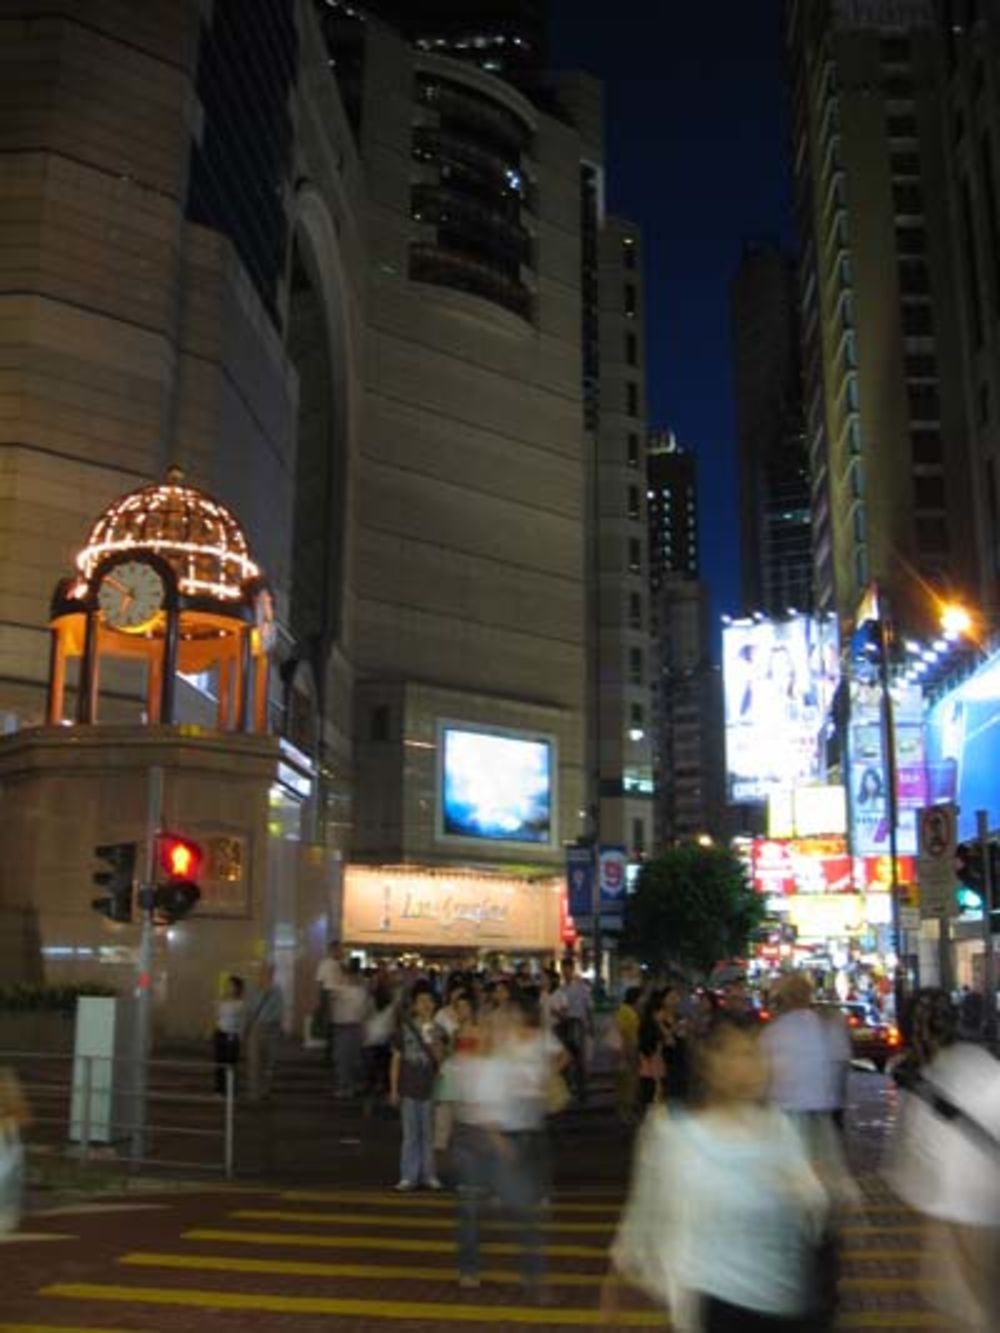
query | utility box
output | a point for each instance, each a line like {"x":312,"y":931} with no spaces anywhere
{"x":101,"y":1109}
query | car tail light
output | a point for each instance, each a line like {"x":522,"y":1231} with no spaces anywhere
{"x":853,"y":1021}
{"x":765,"y":1015}
{"x":894,"y":1037}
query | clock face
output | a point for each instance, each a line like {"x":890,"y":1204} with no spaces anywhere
{"x":131,"y":596}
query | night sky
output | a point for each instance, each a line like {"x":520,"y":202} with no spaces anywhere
{"x":696,"y":155}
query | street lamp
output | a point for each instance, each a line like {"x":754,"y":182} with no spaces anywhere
{"x":956,"y":622}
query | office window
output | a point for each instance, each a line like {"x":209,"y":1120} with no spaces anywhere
{"x":932,"y":533}
{"x":380,"y":722}
{"x":927,"y":446}
{"x":928,"y":492}
{"x":631,"y":349}
{"x":635,"y":610}
{"x":924,"y":401}
{"x":629,"y":252}
{"x":898,"y":87}
{"x":908,"y":198}
{"x":630,"y":300}
{"x":633,"y":502}
{"x":637,"y":715}
{"x":904,"y":164}
{"x":632,"y":447}
{"x":635,"y":555}
{"x":901,"y":127}
{"x":919,"y":367}
{"x":911,"y":240}
{"x":632,"y":398}
{"x":635,"y":666}
{"x":895,"y":50}
{"x":918,"y":321}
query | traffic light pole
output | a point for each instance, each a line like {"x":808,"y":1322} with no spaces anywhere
{"x":989,"y":957}
{"x":143,"y":995}
{"x":892,"y":809}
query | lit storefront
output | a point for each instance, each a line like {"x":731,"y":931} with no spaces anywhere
{"x":398,"y":910}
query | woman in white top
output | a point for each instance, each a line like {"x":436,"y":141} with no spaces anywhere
{"x":725,"y":1208}
{"x":945,"y":1162}
{"x":228,"y":1026}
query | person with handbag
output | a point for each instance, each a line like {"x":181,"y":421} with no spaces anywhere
{"x":14,"y":1117}
{"x":416,"y":1055}
{"x":944,"y":1161}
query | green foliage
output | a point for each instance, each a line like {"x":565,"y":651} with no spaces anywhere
{"x":693,"y":907}
{"x":46,"y":999}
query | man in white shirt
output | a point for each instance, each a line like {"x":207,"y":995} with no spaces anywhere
{"x":352,"y":1003}
{"x":572,"y":1008}
{"x":329,"y":975}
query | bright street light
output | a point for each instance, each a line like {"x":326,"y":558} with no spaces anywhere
{"x":955,"y":620}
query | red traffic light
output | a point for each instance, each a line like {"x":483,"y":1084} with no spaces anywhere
{"x":180,"y":858}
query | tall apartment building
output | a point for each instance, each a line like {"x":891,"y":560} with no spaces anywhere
{"x":775,"y":518}
{"x":969,"y":50}
{"x":881,"y":328}
{"x":686,"y":692}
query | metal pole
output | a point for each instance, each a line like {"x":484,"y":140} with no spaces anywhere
{"x":889,"y":747}
{"x":595,"y":880}
{"x":944,"y":951}
{"x":143,"y":1016}
{"x":989,"y":957}
{"x":88,"y":1089}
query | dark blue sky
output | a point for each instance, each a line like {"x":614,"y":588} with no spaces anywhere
{"x":696,"y":154}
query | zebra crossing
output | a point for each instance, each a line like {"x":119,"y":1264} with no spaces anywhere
{"x":359,"y":1260}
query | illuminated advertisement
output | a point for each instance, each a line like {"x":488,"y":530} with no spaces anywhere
{"x":868,"y":789}
{"x":780,"y":678}
{"x":788,"y":866}
{"x":496,"y":785}
{"x":805,"y":812}
{"x":963,"y":749}
{"x":399,"y":906}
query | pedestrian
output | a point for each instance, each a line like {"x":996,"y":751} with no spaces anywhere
{"x":724,"y":1205}
{"x":944,"y":1161}
{"x":351,"y":1007}
{"x":329,"y":974}
{"x":677,"y":1075}
{"x":627,"y":1075}
{"x":228,"y":1026}
{"x":14,"y":1118}
{"x":809,"y":1061}
{"x":574,"y":1013}
{"x":263,"y":1033}
{"x":654,"y":1030}
{"x":499,"y":1137}
{"x":416,"y":1056}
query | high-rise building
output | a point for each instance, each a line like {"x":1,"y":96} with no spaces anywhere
{"x":883,"y":375}
{"x":672,"y":501}
{"x":686,"y":690}
{"x":969,"y":44}
{"x":775,"y":520}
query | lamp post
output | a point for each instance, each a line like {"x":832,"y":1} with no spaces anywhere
{"x":892,"y":802}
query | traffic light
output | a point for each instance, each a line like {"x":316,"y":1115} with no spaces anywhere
{"x":120,"y":857}
{"x":969,"y":866}
{"x":176,"y":891}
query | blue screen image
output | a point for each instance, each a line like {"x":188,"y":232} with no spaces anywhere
{"x":496,"y":787}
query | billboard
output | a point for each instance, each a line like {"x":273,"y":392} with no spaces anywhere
{"x":963,"y":749}
{"x":780,"y":677}
{"x":788,"y":866}
{"x":495,"y":785}
{"x":868,"y":780}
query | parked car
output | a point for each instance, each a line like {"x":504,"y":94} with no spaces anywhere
{"x":872,"y":1038}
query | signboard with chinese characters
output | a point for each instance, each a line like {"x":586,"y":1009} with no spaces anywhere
{"x":225,"y":878}
{"x":612,"y":863}
{"x":869,"y":804}
{"x":782,"y":867}
{"x":425,"y":908}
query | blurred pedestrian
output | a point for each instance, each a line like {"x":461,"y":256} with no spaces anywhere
{"x":262,"y":1033}
{"x":499,"y":1140}
{"x":329,"y":974}
{"x":226,"y":1037}
{"x":14,"y":1117}
{"x":724,"y":1205}
{"x":573,"y":1010}
{"x":654,"y":1030}
{"x":352,"y":1004}
{"x":944,"y":1161}
{"x":416,"y":1056}
{"x":627,"y":1074}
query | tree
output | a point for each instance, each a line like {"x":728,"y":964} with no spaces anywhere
{"x":693,"y":907}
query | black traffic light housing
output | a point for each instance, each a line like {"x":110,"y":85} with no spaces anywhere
{"x":972,"y":882}
{"x":118,"y":879}
{"x":969,"y":865}
{"x":176,"y":892}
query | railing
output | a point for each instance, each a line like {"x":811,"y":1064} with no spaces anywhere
{"x":85,"y":1107}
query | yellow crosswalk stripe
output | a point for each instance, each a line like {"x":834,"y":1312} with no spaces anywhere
{"x":903,"y":1229}
{"x":327,"y":1305}
{"x":390,"y":1199}
{"x":866,"y":1256}
{"x":312,"y":1268}
{"x":55,"y":1328}
{"x":404,"y":1272}
{"x":409,"y":1223}
{"x":403,"y":1244}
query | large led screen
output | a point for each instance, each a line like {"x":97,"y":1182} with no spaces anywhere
{"x":496,"y":786}
{"x":780,"y":678}
{"x":963,"y":749}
